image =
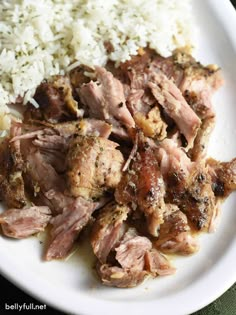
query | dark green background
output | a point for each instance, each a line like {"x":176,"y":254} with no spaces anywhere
{"x":225,"y":305}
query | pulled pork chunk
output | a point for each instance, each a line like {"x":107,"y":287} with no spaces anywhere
{"x":51,"y":144}
{"x":108,"y":229}
{"x":67,"y":226}
{"x":188,"y":74}
{"x":199,"y":149}
{"x":136,"y":259}
{"x":199,"y":203}
{"x":175,"y":234}
{"x":188,"y":184}
{"x":141,"y":102}
{"x":154,"y":184}
{"x":145,"y":111}
{"x":54,"y":143}
{"x":56,"y":102}
{"x":106,"y":100}
{"x":172,"y":158}
{"x":42,"y":178}
{"x":130,"y":253}
{"x":94,"y":166}
{"x":142,"y":186}
{"x":136,"y":67}
{"x":223,"y":175}
{"x":22,"y":223}
{"x":194,"y":196}
{"x":44,"y":152}
{"x":49,"y":188}
{"x":42,"y":173}
{"x":171,"y":99}
{"x":125,"y":258}
{"x":197,"y":83}
{"x":12,"y":188}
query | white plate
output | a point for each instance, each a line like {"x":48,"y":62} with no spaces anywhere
{"x":71,"y":286}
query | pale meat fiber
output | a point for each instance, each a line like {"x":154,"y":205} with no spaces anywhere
{"x":39,"y":39}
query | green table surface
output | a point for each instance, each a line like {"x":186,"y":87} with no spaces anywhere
{"x":224,"y":305}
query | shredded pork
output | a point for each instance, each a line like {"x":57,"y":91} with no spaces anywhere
{"x":123,"y":156}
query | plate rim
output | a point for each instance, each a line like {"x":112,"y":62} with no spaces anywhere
{"x":221,"y":10}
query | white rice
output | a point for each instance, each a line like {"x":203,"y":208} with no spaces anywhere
{"x":41,"y":38}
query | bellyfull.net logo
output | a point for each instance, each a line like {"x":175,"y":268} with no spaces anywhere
{"x":25,"y":307}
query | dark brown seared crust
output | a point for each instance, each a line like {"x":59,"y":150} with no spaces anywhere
{"x":56,"y":102}
{"x":50,"y":101}
{"x":193,"y":195}
{"x":12,"y":188}
{"x":199,"y":201}
{"x":223,"y":176}
{"x":142,"y":185}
